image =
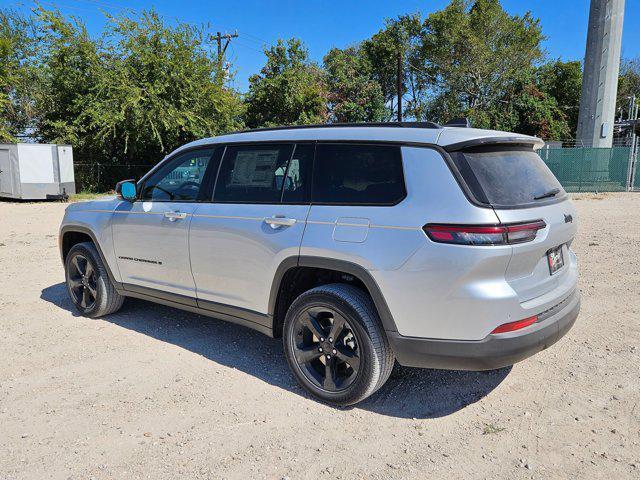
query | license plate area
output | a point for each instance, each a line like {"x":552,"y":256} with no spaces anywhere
{"x":555,"y":259}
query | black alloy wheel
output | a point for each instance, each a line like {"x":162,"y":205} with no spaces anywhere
{"x":82,"y":282}
{"x":335,"y":344}
{"x":326,"y":349}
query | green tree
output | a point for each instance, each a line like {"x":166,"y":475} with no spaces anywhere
{"x":563,"y":81}
{"x":69,"y":66}
{"x":529,"y":111}
{"x":17,"y":74}
{"x":131,"y":95}
{"x":474,"y":55}
{"x":289,"y":90}
{"x":628,"y":86}
{"x":400,"y":36}
{"x":353,"y":93}
{"x":159,"y":87}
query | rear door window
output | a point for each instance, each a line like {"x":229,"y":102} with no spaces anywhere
{"x":358,"y":174}
{"x":297,"y":181}
{"x":252,"y":173}
{"x":507,"y":177}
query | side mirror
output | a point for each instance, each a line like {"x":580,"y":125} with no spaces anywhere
{"x":126,"y":189}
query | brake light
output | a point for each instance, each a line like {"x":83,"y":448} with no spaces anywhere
{"x":517,"y":325}
{"x":484,"y":234}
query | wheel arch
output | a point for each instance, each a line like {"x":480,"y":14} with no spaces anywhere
{"x":281,"y":295}
{"x":71,"y":235}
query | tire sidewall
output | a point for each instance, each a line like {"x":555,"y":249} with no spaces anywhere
{"x":367,"y":353}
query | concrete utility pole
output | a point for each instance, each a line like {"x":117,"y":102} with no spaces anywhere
{"x":600,"y":76}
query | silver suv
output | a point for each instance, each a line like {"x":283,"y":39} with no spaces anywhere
{"x":438,"y":247}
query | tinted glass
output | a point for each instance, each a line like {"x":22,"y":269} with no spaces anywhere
{"x":297,"y":181}
{"x":252,"y":173}
{"x":358,"y":174}
{"x":507,"y":177}
{"x":178,"y":180}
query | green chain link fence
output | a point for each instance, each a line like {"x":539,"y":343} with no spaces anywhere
{"x":590,"y":169}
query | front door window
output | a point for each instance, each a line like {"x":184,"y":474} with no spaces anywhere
{"x":179,"y":180}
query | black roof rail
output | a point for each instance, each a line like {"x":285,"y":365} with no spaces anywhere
{"x":354,"y":124}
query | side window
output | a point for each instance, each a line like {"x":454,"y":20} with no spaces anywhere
{"x":358,"y":174}
{"x":252,"y":173}
{"x":179,"y":179}
{"x":297,"y":182}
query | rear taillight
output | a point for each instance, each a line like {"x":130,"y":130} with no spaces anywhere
{"x":484,"y":234}
{"x":517,"y":325}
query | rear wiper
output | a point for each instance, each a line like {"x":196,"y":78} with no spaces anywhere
{"x":551,"y":193}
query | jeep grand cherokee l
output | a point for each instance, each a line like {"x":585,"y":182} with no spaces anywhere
{"x":359,"y":245}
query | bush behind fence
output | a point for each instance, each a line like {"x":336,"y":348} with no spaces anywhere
{"x":103,"y":178}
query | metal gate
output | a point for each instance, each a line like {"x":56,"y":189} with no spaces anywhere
{"x":634,"y":167}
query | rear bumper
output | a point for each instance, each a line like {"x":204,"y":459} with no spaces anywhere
{"x":493,"y":351}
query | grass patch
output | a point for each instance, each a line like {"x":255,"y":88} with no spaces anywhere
{"x":81,"y":196}
{"x":490,"y":428}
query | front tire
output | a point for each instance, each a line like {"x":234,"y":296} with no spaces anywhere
{"x":335,"y":344}
{"x":88,"y":284}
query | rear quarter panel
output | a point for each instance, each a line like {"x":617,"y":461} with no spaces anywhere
{"x":419,"y":279}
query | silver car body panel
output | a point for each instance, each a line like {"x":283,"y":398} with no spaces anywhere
{"x":235,"y":253}
{"x":152,"y":247}
{"x":95,"y":216}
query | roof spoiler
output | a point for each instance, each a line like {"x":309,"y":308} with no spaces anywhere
{"x":458,"y":122}
{"x":529,"y":142}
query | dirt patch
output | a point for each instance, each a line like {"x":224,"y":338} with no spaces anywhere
{"x":153,"y":392}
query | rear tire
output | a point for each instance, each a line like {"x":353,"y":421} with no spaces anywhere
{"x":348,"y":368}
{"x":88,"y":283}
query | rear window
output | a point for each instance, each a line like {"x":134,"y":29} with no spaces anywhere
{"x":507,"y":177}
{"x":358,"y":175}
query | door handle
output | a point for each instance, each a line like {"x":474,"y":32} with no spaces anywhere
{"x":173,"y":216}
{"x":278,"y":221}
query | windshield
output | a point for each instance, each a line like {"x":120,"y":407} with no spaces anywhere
{"x":507,"y":176}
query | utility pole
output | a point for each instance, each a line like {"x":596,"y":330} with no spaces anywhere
{"x":399,"y":84}
{"x":600,"y":78}
{"x":223,"y":48}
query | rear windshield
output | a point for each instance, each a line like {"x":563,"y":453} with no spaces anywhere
{"x":507,"y":177}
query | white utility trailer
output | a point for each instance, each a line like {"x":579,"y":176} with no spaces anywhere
{"x":36,"y":171}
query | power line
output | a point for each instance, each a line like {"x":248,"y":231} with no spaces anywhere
{"x":100,"y":3}
{"x":116,"y":6}
{"x":249,"y":47}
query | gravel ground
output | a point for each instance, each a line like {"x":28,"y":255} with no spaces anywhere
{"x":153,"y":392}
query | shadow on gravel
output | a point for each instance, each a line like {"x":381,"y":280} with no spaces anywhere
{"x":409,"y":392}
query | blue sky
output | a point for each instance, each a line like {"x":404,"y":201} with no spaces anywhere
{"x":325,"y":24}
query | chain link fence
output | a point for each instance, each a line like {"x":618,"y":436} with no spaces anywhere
{"x":582,"y":169}
{"x":103,"y":178}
